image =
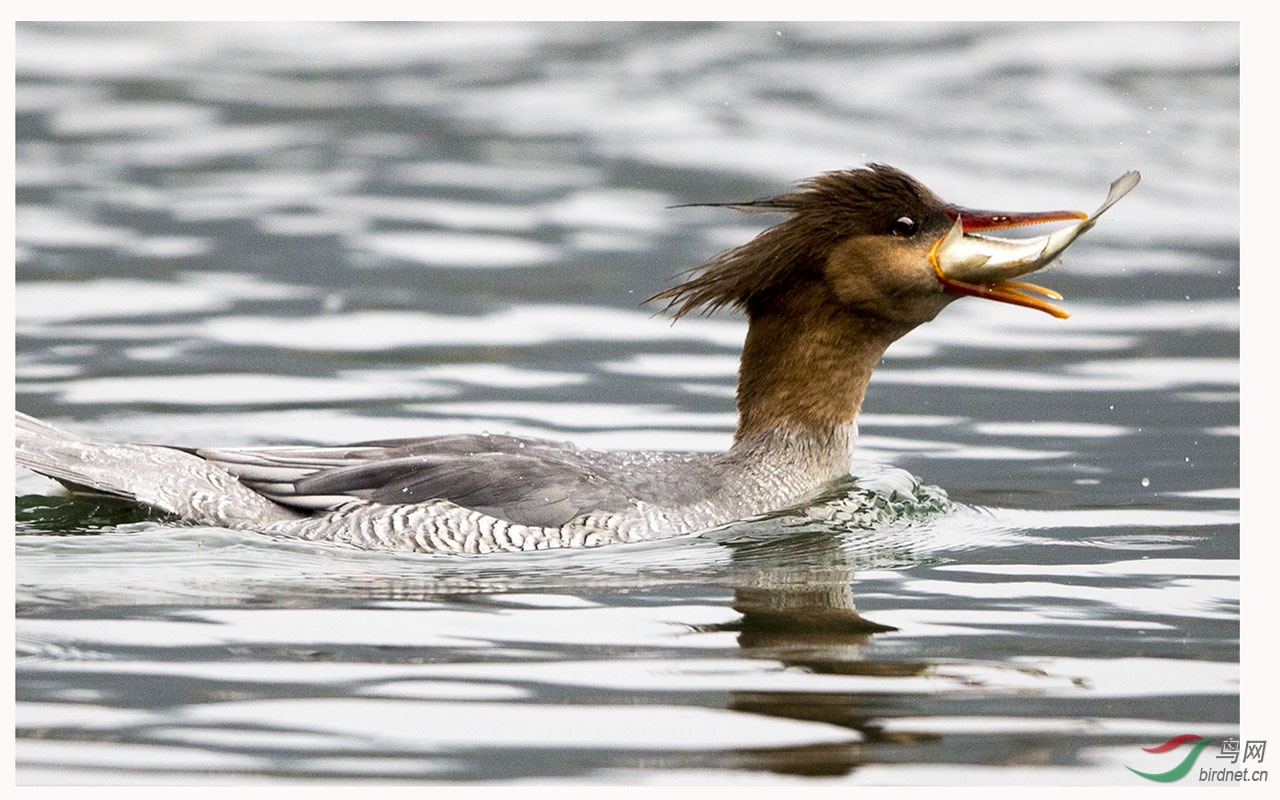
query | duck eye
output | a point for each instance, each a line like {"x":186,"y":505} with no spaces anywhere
{"x":903,"y":226}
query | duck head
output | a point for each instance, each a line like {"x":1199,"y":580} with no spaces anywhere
{"x":882,"y":246}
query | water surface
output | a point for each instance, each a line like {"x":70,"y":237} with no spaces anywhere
{"x":272,"y":234}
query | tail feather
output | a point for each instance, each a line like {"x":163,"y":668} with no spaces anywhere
{"x":57,"y":454}
{"x":164,"y":478}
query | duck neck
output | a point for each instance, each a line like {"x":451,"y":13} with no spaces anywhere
{"x":805,"y":367}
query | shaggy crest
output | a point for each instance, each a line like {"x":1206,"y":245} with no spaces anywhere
{"x":823,"y":211}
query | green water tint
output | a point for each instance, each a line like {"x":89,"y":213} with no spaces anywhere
{"x":69,"y":514}
{"x":882,"y":498}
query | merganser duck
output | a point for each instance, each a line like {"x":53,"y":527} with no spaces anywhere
{"x":862,"y":257}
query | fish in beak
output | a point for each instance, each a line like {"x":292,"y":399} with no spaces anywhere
{"x":983,"y":266}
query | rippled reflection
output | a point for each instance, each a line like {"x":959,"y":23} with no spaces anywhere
{"x":238,"y":234}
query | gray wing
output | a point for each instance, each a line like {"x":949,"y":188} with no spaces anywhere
{"x":527,"y":481}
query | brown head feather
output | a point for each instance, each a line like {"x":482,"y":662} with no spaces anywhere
{"x":823,"y":211}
